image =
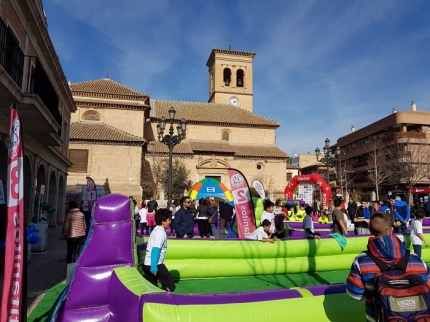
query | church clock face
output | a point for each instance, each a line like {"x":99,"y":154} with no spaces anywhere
{"x":234,"y":101}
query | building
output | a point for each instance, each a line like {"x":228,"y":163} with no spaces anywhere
{"x":400,"y":139}
{"x":31,"y":77}
{"x":106,"y":136}
{"x":221,"y":134}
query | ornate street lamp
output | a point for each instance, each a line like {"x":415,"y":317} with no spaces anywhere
{"x":171,"y":140}
{"x":329,"y":159}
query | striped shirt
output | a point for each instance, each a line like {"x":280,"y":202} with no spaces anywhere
{"x":389,"y":249}
{"x":74,"y":224}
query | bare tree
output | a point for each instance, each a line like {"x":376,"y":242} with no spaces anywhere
{"x":377,"y":170}
{"x":152,"y":168}
{"x":267,"y":181}
{"x":408,"y":158}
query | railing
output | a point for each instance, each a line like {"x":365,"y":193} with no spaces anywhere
{"x":44,"y":89}
{"x":404,"y":135}
{"x":11,"y":55}
{"x":13,"y":61}
{"x":360,"y":164}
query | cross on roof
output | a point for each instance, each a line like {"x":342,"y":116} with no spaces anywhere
{"x":107,"y":71}
{"x":229,"y":42}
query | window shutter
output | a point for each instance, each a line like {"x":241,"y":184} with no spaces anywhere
{"x":79,"y":158}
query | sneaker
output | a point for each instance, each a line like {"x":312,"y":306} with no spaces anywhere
{"x":212,"y":237}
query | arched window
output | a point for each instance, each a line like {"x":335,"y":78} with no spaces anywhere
{"x":227,"y":76}
{"x":225,"y":136}
{"x":239,"y":78}
{"x":92,"y":117}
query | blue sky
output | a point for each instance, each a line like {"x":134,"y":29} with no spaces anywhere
{"x":320,"y":66}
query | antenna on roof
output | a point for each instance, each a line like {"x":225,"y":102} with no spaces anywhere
{"x":229,"y":42}
{"x":107,"y":71}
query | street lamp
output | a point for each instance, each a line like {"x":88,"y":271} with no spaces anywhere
{"x":329,"y":159}
{"x":171,"y":140}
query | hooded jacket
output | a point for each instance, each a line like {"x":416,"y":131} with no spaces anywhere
{"x":390,"y":250}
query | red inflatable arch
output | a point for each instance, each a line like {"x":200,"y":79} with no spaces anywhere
{"x":310,"y":178}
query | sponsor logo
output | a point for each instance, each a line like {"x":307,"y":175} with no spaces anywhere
{"x":14,"y":138}
{"x":236,"y":180}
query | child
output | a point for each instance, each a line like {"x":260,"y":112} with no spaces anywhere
{"x":324,"y":218}
{"x":268,"y":214}
{"x":417,"y":236}
{"x":153,"y":265}
{"x":262,"y":232}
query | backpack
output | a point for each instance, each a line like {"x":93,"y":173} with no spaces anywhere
{"x":400,"y":296}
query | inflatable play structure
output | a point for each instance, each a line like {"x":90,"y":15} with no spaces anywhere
{"x":107,"y":286}
{"x":210,"y":187}
{"x":312,"y":179}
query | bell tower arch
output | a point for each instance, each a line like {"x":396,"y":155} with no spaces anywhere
{"x":230,"y":78}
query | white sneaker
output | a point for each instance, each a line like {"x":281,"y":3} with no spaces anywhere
{"x":212,"y":237}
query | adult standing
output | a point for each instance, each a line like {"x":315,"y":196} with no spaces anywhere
{"x":226,"y":214}
{"x":352,"y":208}
{"x":184,"y":219}
{"x":389,"y":209}
{"x":152,"y":205}
{"x":214,"y":215}
{"x":202,"y":218}
{"x":74,"y":229}
{"x":427,"y":208}
{"x":338,"y":222}
{"x":403,"y":215}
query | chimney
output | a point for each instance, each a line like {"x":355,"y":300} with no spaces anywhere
{"x":352,"y":128}
{"x":394,"y":110}
{"x":413,"y":106}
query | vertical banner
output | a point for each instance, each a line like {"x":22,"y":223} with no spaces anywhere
{"x":243,"y":206}
{"x":13,"y":306}
{"x":91,"y":193}
{"x":258,"y":186}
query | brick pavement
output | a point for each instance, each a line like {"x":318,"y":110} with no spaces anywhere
{"x":44,"y":270}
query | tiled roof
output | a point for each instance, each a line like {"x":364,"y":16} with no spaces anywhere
{"x":239,"y":151}
{"x":207,"y":146}
{"x":217,"y":114}
{"x":155,"y":147}
{"x":106,"y":88}
{"x":95,"y":131}
{"x":261,"y":151}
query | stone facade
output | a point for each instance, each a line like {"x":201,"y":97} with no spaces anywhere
{"x":220,"y":134}
{"x":31,"y":77}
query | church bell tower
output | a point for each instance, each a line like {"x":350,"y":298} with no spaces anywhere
{"x":230,"y":78}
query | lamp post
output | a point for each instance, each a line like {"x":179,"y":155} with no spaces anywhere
{"x":329,"y":159}
{"x":171,"y":140}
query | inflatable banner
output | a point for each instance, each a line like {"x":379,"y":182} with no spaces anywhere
{"x":243,"y":207}
{"x":12,"y":306}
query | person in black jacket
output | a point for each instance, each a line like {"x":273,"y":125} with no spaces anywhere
{"x":352,"y":208}
{"x":183,"y":223}
{"x":226,"y":214}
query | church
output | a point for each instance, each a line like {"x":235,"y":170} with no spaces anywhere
{"x":114,"y":140}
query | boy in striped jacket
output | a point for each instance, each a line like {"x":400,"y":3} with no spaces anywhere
{"x":389,"y":249}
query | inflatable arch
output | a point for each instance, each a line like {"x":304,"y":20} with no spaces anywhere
{"x":310,"y":178}
{"x":210,"y":187}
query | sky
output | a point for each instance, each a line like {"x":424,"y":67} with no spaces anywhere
{"x":320,"y":66}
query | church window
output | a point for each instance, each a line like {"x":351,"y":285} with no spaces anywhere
{"x":239,"y":78}
{"x":227,"y":76}
{"x":79,"y":158}
{"x":259,"y":167}
{"x":289,"y":176}
{"x":92,"y":117}
{"x":225,"y":136}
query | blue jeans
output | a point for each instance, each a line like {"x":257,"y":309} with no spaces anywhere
{"x":417,"y":250}
{"x":150,"y":228}
{"x":214,"y":228}
{"x":403,"y":229}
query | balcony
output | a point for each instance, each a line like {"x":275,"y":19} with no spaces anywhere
{"x":360,"y":164}
{"x":405,"y":135}
{"x":24,"y":82}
